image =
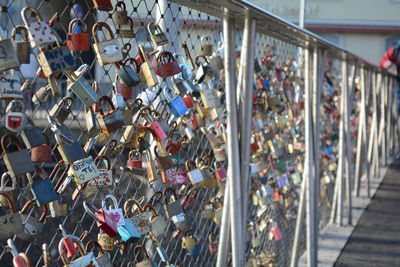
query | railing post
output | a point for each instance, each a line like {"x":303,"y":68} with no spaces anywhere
{"x":312,"y":245}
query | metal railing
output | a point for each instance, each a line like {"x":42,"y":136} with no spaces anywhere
{"x":324,"y":115}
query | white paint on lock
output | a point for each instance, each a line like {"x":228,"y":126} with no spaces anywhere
{"x":85,"y":170}
{"x":178,"y":218}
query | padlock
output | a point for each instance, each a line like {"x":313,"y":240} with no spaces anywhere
{"x":216,"y":64}
{"x":103,"y":221}
{"x":32,"y":226}
{"x":162,"y":118}
{"x":134,"y":163}
{"x":152,"y":125}
{"x":62,"y":109}
{"x":276,"y":232}
{"x":208,"y":96}
{"x":218,"y":211}
{"x":108,"y":51}
{"x":23,"y":47}
{"x":188,"y":200}
{"x":10,"y":223}
{"x":120,"y":17}
{"x":15,"y":119}
{"x":146,"y":262}
{"x":181,"y":176}
{"x":206,"y":46}
{"x":83,"y":170}
{"x":127,"y":74}
{"x":58,"y":208}
{"x":9,"y":190}
{"x":112,"y":120}
{"x":17,"y":162}
{"x":219,"y":153}
{"x":189,"y":240}
{"x":10,"y":86}
{"x":40,"y":33}
{"x":163,"y":159}
{"x":106,"y":242}
{"x":69,"y":248}
{"x":220,"y":171}
{"x":138,"y":216}
{"x":186,"y":71}
{"x":86,"y":259}
{"x":32,"y":136}
{"x":157,"y":222}
{"x":105,"y":174}
{"x":113,"y":211}
{"x":203,"y":72}
{"x":213,"y":243}
{"x":103,"y":5}
{"x":117,"y":99}
{"x":55,"y":60}
{"x":126,"y":30}
{"x":194,"y":174}
{"x":172,"y":205}
{"x":19,"y":259}
{"x":166,"y":66}
{"x":43,"y":189}
{"x":8,"y":55}
{"x":157,"y":36}
{"x":175,"y":102}
{"x":208,"y":210}
{"x":78,"y":41}
{"x":81,"y":87}
{"x":194,"y":251}
{"x":203,"y":164}
{"x":148,"y":73}
{"x":103,"y":258}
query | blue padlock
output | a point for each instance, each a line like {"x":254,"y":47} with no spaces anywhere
{"x":194,"y":251}
{"x":128,"y":231}
{"x":43,"y":190}
{"x":175,"y":102}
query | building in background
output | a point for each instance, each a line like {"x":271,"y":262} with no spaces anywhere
{"x":364,"y":27}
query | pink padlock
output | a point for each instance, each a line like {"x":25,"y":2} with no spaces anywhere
{"x":276,"y":232}
{"x":181,"y":176}
{"x":220,"y":171}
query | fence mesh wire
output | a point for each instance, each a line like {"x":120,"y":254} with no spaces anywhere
{"x":278,"y":133}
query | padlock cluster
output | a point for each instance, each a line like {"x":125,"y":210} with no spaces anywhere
{"x":142,"y":137}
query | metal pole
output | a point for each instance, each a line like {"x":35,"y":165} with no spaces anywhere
{"x":309,"y":159}
{"x":302,"y":13}
{"x":375,"y":93}
{"x":246,"y":114}
{"x":224,"y":236}
{"x":299,"y":224}
{"x":235,"y":202}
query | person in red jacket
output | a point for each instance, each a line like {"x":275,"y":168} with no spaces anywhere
{"x":389,"y":59}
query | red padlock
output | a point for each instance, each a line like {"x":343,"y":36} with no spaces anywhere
{"x":194,"y":123}
{"x":168,"y":176}
{"x":68,"y":244}
{"x":213,"y":243}
{"x":78,"y":41}
{"x":42,"y":153}
{"x":276,"y":232}
{"x":167,"y":66}
{"x":134,"y":163}
{"x":103,"y":5}
{"x":19,"y":259}
{"x":189,"y":198}
{"x":188,"y":101}
{"x":103,"y":220}
{"x":173,"y":147}
{"x":123,"y":89}
{"x":181,"y":176}
{"x":154,"y":127}
{"x":220,"y":171}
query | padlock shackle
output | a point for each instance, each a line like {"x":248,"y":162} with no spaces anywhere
{"x":137,"y":249}
{"x":75,"y":240}
{"x":120,"y":4}
{"x":192,"y":193}
{"x":12,"y":138}
{"x":10,"y":202}
{"x":30,"y":203}
{"x":136,"y":152}
{"x":158,"y":193}
{"x":173,"y":193}
{"x":12,"y":247}
{"x":92,"y":244}
{"x":187,"y":53}
{"x":172,"y":145}
{"x":219,"y":201}
{"x":132,"y":61}
{"x":209,"y":203}
{"x":198,"y":62}
{"x":90,"y":209}
{"x":190,"y":165}
{"x":169,"y":93}
{"x":109,"y":103}
{"x":153,"y":28}
{"x":128,"y":207}
{"x":165,"y":57}
{"x":113,"y":199}
{"x":33,"y":11}
{"x":213,"y":237}
{"x":67,"y":99}
{"x":188,"y":232}
{"x":98,"y":158}
{"x":77,"y":20}
{"x":96,"y":28}
{"x":18,"y":28}
{"x":152,"y":209}
{"x":3,"y":181}
{"x":180,"y":58}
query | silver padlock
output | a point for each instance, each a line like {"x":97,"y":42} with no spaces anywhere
{"x":15,"y":119}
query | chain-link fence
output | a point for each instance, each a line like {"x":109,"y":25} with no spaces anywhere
{"x":277,"y":144}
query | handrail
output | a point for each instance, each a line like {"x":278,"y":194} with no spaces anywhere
{"x":274,"y":26}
